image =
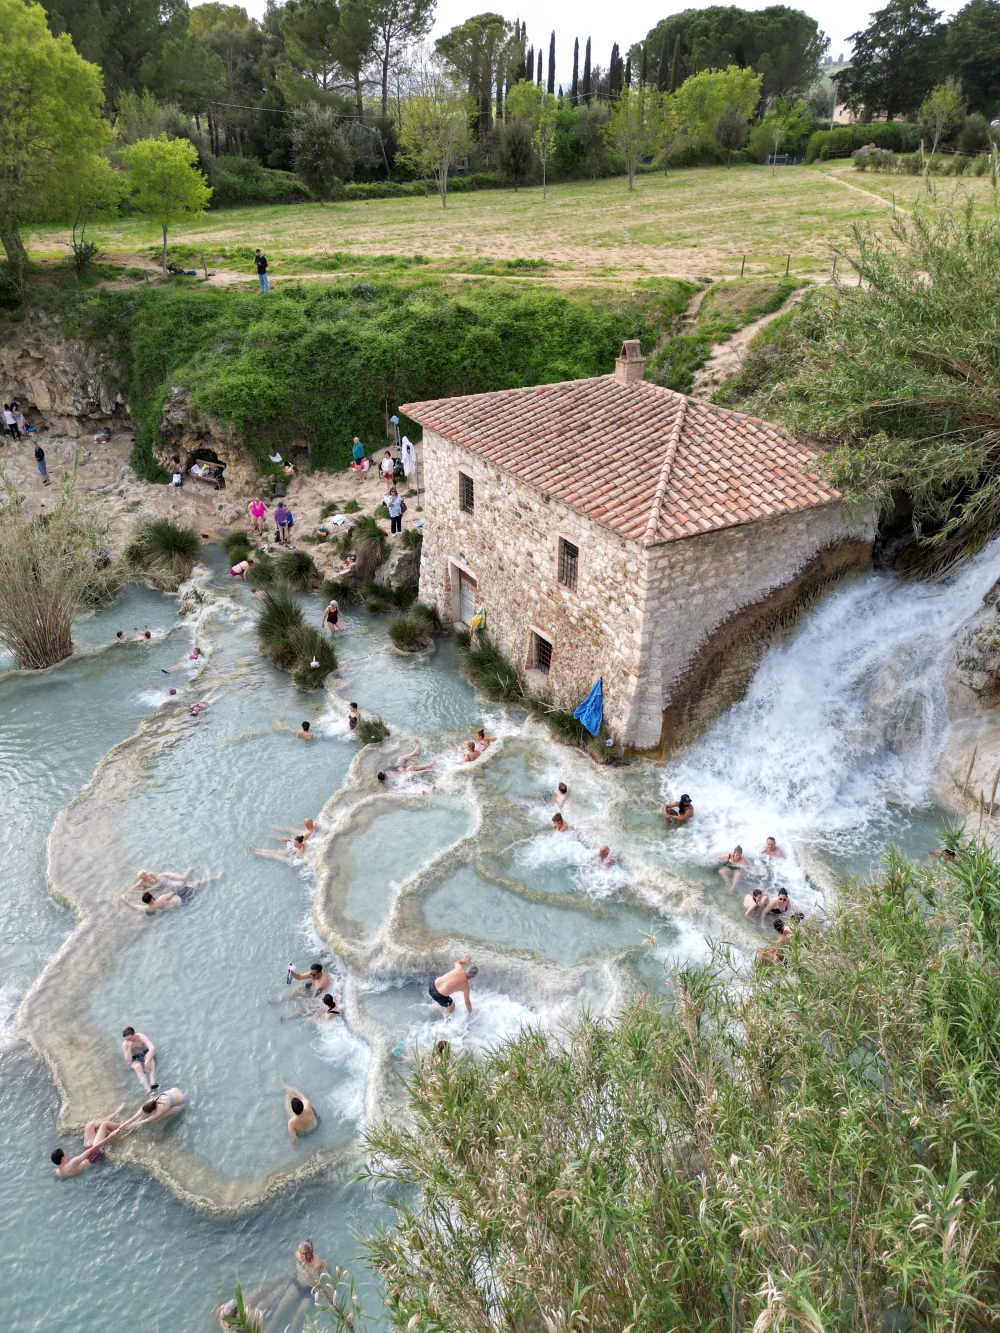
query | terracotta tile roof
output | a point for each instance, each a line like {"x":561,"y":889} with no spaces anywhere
{"x":651,"y":464}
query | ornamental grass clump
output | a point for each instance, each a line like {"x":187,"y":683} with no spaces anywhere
{"x":345,"y":592}
{"x":372,"y":731}
{"x":315,"y":657}
{"x":51,"y":567}
{"x":290,"y":643}
{"x":296,"y":569}
{"x":489,"y":670}
{"x":803,"y":1145}
{"x":263,"y":574}
{"x":164,"y":553}
{"x":371,"y":546}
{"x":238,"y":545}
{"x":412,"y":632}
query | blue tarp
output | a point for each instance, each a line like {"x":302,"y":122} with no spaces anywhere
{"x":590,"y":713}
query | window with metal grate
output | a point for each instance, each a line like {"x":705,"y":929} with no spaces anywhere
{"x":466,"y":494}
{"x":569,"y":557}
{"x":541,"y":653}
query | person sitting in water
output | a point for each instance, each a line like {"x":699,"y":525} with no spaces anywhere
{"x":775,"y":953}
{"x":404,"y":764}
{"x":297,"y":847}
{"x":120,"y":636}
{"x":139,"y":1052}
{"x":302,"y":1119}
{"x":161,"y":1107}
{"x":307,"y":831}
{"x":559,"y":824}
{"x":470,"y":754}
{"x":96,"y":1133}
{"x":329,"y":1008}
{"x":560,"y":794}
{"x":317,"y":980}
{"x":679,"y":812}
{"x":734,"y":867}
{"x":241,"y":568}
{"x":193,"y":657}
{"x":771,"y":848}
{"x":443,"y":988}
{"x":143,"y":634}
{"x":755,"y":901}
{"x":604,"y":858}
{"x":228,"y":1315}
{"x":778,"y":904}
{"x":311,"y":1271}
{"x":353,"y":717}
{"x":305,"y":733}
{"x":483,"y":742}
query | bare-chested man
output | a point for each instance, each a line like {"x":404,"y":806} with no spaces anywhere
{"x":443,"y":988}
{"x":560,"y":794}
{"x":771,"y":848}
{"x":317,"y":980}
{"x":140,"y":1053}
{"x":95,"y":1134}
{"x":302,"y":1119}
{"x":180,"y":891}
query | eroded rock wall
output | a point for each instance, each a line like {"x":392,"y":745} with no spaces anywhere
{"x":73,"y":386}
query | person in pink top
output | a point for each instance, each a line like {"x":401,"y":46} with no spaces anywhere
{"x":258,"y":512}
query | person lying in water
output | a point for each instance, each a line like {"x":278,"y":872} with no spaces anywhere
{"x":175,"y":896}
{"x":161,"y":1107}
{"x":404,"y":764}
{"x":679,"y":812}
{"x":192,"y":658}
{"x":307,"y":831}
{"x":297,"y":847}
{"x":148,"y":879}
{"x":96,"y":1134}
{"x":482,"y":741}
{"x":139,"y":1052}
{"x":302,"y":1119}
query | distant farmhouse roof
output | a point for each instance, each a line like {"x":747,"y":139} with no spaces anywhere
{"x":651,"y":464}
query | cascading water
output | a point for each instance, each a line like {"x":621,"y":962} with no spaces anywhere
{"x":834,"y":747}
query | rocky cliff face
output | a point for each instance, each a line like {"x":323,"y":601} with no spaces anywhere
{"x":75,"y":387}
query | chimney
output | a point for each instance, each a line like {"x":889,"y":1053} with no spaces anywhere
{"x":629,"y":366}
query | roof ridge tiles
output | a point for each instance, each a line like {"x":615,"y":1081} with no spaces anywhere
{"x":653,"y":523}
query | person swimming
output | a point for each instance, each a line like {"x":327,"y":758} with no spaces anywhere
{"x":302,"y":1118}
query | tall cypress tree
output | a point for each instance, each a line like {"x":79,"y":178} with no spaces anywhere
{"x":550,"y":86}
{"x":538,"y":80}
{"x":628,"y":69}
{"x":529,"y":64}
{"x":575,"y":85}
{"x":643,"y":68}
{"x":663,"y":73}
{"x":615,"y":72}
{"x":676,"y":73}
{"x":586,"y":73}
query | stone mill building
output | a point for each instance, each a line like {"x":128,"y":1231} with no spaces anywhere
{"x":613,"y":528}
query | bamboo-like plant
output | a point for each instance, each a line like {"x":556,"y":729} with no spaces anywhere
{"x":51,"y":566}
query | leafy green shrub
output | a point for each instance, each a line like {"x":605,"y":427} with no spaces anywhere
{"x":296,"y":569}
{"x":243,"y":187}
{"x":345,"y":592}
{"x":412,"y":539}
{"x":163,"y":552}
{"x":310,"y":646}
{"x":329,"y":509}
{"x":974,"y":136}
{"x":310,"y":359}
{"x":372,"y":730}
{"x":843,"y":140}
{"x":351,"y":507}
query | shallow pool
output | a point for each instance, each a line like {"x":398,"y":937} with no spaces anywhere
{"x":102,"y":771}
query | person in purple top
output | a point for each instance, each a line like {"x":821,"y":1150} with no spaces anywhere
{"x":281,"y":517}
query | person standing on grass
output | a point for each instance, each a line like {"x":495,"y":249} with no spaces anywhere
{"x":261,"y":262}
{"x":394,"y":504}
{"x":40,"y":461}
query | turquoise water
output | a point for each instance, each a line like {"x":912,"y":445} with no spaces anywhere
{"x":154,"y":1237}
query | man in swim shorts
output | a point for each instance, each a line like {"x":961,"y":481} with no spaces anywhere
{"x":317,"y":980}
{"x":140,"y":1053}
{"x":176,"y":896}
{"x":302,"y":1119}
{"x":443,"y":988}
{"x":95,"y":1134}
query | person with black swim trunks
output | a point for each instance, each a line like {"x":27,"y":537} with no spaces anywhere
{"x":442,"y":989}
{"x":140,"y":1053}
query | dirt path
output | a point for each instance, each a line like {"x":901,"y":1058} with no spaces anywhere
{"x":727,"y":357}
{"x":849,"y":185}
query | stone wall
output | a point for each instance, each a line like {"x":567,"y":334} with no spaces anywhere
{"x":698,"y":587}
{"x":70,"y":384}
{"x":510,"y":546}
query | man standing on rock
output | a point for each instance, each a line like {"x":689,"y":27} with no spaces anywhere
{"x":261,"y":261}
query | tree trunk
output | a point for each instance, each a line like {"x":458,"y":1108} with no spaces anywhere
{"x":385,"y":79}
{"x":359,"y":100}
{"x":543,"y":179}
{"x":443,"y":184}
{"x":17,"y":256}
{"x":164,"y":254}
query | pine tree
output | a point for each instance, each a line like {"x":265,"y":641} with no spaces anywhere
{"x":538,"y":80}
{"x":574,"y":90}
{"x":628,"y":70}
{"x":663,"y":74}
{"x":643,"y":70}
{"x":550,"y":86}
{"x":586,"y":73}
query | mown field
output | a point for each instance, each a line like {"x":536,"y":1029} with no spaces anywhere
{"x":690,"y":224}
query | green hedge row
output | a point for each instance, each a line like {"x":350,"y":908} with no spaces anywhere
{"x":845,"y":139}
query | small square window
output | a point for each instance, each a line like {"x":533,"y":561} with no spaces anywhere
{"x":541,"y":653}
{"x":569,"y":557}
{"x":466,"y":494}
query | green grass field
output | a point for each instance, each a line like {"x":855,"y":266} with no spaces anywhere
{"x":693,"y":223}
